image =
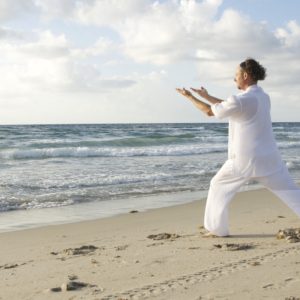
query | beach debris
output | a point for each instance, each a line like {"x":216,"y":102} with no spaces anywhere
{"x":292,"y":298}
{"x":86,"y":249}
{"x":234,"y":247}
{"x":163,"y":236}
{"x":71,"y":285}
{"x":280,"y":217}
{"x":291,"y":235}
{"x":133,"y":211}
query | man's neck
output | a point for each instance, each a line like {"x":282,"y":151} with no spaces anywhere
{"x":249,"y":85}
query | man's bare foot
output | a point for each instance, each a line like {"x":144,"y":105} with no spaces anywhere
{"x":209,"y":235}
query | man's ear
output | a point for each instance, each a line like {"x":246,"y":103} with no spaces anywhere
{"x":245,"y":75}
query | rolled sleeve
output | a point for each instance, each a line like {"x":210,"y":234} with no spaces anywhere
{"x":231,"y":107}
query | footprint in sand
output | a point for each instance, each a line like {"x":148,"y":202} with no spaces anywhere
{"x":9,"y":266}
{"x":163,"y":236}
{"x":121,"y":248}
{"x":12,"y":266}
{"x":234,"y":247}
{"x":208,"y":275}
{"x":254,"y":263}
{"x":156,"y":244}
{"x":83,"y":250}
{"x":267,"y":286}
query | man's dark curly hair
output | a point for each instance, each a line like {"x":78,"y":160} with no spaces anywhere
{"x":254,"y":69}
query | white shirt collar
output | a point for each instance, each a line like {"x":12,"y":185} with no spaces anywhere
{"x":252,"y":87}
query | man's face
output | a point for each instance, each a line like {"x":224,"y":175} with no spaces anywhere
{"x":239,"y":78}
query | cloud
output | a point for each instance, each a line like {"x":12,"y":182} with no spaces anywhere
{"x":58,"y":8}
{"x":10,"y":34}
{"x":100,"y":47}
{"x":171,"y":31}
{"x":49,"y":63}
{"x":290,"y":36}
{"x":109,"y":12}
{"x":155,"y":32}
{"x":191,"y":40}
{"x":12,"y":9}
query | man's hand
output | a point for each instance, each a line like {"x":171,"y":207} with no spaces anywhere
{"x":201,"y":92}
{"x":198,"y":103}
{"x":184,"y":92}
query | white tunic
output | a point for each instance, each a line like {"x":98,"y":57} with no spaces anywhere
{"x":251,"y":143}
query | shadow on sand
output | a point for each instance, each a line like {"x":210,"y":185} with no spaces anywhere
{"x":251,"y":236}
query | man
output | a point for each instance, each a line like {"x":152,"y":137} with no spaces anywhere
{"x":252,"y":150}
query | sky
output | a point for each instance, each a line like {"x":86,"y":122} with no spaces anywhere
{"x":119,"y":61}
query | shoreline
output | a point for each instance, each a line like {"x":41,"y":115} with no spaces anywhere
{"x":81,"y":212}
{"x":117,"y":258}
{"x":33,"y":218}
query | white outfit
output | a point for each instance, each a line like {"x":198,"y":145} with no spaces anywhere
{"x":252,"y":153}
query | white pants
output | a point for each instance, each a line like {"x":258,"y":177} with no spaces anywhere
{"x":226,"y":183}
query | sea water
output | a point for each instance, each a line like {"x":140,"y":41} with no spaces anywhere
{"x":63,"y":173}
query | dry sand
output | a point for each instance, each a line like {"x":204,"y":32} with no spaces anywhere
{"x":129,"y":257}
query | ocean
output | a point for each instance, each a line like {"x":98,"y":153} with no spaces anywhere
{"x":63,"y":173}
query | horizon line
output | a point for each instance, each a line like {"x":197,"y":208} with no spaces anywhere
{"x":127,"y":123}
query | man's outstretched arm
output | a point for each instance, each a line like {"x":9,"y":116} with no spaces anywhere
{"x":204,"y":107}
{"x":204,"y":94}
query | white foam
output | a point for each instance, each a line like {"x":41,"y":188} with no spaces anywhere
{"x":111,"y":151}
{"x":287,"y":145}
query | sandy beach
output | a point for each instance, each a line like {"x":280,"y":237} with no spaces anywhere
{"x":157,"y":254}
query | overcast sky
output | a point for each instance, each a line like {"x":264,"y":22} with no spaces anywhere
{"x":119,"y":61}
